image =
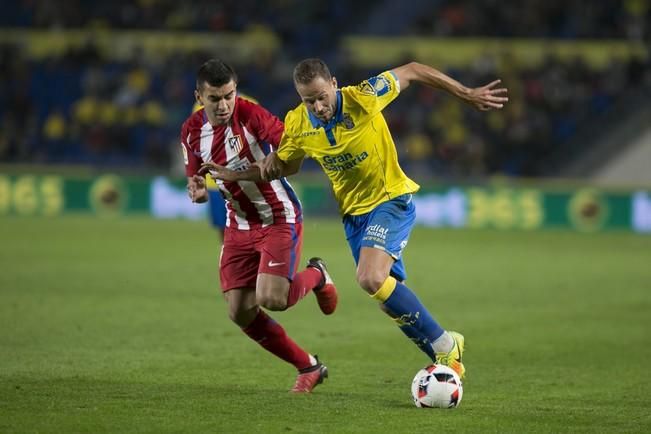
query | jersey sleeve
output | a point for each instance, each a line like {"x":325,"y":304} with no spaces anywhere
{"x":267,"y":127}
{"x":375,"y":93}
{"x":191,"y":161}
{"x":290,"y":147}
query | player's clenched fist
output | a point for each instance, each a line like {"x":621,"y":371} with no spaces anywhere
{"x":197,"y":189}
{"x":271,"y":167}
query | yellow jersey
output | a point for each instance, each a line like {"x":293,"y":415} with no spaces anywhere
{"x":355,"y":148}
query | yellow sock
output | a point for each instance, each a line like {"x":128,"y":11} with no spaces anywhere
{"x":385,"y":290}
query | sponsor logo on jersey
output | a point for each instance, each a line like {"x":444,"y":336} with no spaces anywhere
{"x":239,"y":164}
{"x":342,"y":162}
{"x":377,"y":233}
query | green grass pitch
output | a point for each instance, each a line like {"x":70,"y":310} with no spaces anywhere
{"x":118,"y":325}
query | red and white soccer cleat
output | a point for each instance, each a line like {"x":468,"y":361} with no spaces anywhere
{"x":326,"y":293}
{"x":310,"y":377}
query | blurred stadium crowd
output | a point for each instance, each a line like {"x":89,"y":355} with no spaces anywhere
{"x":86,"y":106}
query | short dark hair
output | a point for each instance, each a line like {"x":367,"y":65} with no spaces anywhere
{"x":216,"y":73}
{"x":309,"y":69}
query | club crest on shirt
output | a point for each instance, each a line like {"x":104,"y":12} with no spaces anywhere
{"x":235,"y":144}
{"x":348,"y":121}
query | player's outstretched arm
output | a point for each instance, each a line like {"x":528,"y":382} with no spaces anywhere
{"x":229,"y":175}
{"x":483,"y":98}
{"x":197,"y":189}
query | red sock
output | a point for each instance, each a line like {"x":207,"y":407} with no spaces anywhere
{"x":273,"y":338}
{"x":303,"y":283}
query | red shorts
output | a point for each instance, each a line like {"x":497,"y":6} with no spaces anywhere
{"x":275,"y":249}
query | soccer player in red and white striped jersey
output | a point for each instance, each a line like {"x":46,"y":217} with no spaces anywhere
{"x":263,"y":235}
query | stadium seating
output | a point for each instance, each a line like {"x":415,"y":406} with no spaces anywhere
{"x":93,"y":101}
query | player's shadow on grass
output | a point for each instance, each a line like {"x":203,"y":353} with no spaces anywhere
{"x":72,"y":395}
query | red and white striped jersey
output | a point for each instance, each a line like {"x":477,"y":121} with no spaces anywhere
{"x":251,"y":134}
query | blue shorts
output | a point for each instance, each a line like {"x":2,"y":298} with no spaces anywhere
{"x":387,"y":228}
{"x":217,"y":208}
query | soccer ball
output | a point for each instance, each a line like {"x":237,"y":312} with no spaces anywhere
{"x":436,"y":386}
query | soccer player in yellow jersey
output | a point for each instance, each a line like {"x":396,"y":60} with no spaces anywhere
{"x":344,"y":130}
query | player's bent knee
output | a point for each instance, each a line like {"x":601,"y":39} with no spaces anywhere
{"x":370,"y":282}
{"x":272,"y":301}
